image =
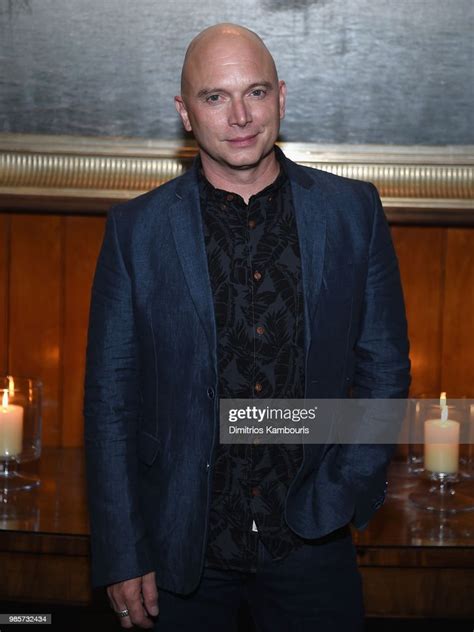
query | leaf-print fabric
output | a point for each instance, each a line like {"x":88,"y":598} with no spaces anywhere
{"x":255,"y":273}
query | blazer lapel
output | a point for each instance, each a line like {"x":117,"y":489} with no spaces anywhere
{"x":186,"y":224}
{"x":311,"y":210}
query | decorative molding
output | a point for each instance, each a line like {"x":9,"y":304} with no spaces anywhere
{"x":418,"y":183}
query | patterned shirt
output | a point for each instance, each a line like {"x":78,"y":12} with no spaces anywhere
{"x":255,"y":272}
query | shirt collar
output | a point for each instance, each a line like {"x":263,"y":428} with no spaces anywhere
{"x":207,"y":190}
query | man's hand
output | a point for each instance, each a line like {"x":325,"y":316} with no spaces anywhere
{"x":139,"y":596}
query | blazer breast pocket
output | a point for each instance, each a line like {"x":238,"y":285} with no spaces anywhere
{"x":334,"y":309}
{"x":147,"y":447}
{"x":338,"y":282}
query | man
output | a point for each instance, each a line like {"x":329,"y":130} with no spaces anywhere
{"x":252,"y":277}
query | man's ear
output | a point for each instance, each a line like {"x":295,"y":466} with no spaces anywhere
{"x":282,"y":98}
{"x":182,"y":111}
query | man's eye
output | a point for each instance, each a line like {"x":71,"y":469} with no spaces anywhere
{"x":212,"y":98}
{"x":258,"y":92}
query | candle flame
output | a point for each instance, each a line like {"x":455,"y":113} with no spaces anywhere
{"x":11,"y":386}
{"x":5,"y":399}
{"x":442,"y":399}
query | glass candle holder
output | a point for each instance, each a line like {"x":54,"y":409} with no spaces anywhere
{"x":417,"y":410}
{"x":445,"y":427}
{"x":20,"y":431}
{"x":466,"y":456}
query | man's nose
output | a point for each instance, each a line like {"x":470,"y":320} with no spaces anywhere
{"x":240,"y":113}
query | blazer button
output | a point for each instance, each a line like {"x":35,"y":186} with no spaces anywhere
{"x":210,"y":393}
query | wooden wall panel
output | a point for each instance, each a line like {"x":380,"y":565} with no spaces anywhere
{"x":35,"y":311}
{"x":82,"y":239}
{"x":420,"y":252}
{"x":457,"y":360}
{"x":46,"y":269}
{"x":4,"y":258}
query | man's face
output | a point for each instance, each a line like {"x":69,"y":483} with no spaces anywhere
{"x":232,"y":102}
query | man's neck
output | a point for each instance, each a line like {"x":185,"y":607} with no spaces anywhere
{"x":244,"y":182}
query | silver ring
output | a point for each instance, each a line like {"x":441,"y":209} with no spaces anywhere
{"x":122,"y":613}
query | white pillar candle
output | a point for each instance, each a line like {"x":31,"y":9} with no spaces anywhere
{"x":11,"y":427}
{"x":442,"y":442}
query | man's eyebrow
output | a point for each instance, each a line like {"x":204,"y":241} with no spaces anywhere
{"x":261,"y":84}
{"x":206,"y":91}
{"x":258,"y":84}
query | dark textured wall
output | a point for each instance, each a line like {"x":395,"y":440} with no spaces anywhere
{"x":358,"y":71}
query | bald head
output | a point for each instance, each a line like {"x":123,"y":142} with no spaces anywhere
{"x":219,"y":40}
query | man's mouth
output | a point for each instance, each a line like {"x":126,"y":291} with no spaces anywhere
{"x":242,"y":141}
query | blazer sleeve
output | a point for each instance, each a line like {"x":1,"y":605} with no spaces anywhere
{"x":382,"y":366}
{"x":112,"y":410}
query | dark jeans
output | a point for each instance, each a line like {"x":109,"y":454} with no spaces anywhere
{"x":316,"y":588}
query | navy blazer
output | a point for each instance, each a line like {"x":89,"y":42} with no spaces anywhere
{"x":151,"y":409}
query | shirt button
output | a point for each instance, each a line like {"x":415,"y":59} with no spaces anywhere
{"x":229,"y":197}
{"x":270,"y":198}
{"x":252,"y":223}
{"x":260,"y":330}
{"x":257,"y":275}
{"x":258,"y":387}
{"x":255,"y":491}
{"x":223,"y":207}
{"x":210,"y":393}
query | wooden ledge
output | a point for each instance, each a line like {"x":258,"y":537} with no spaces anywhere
{"x":418,"y":184}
